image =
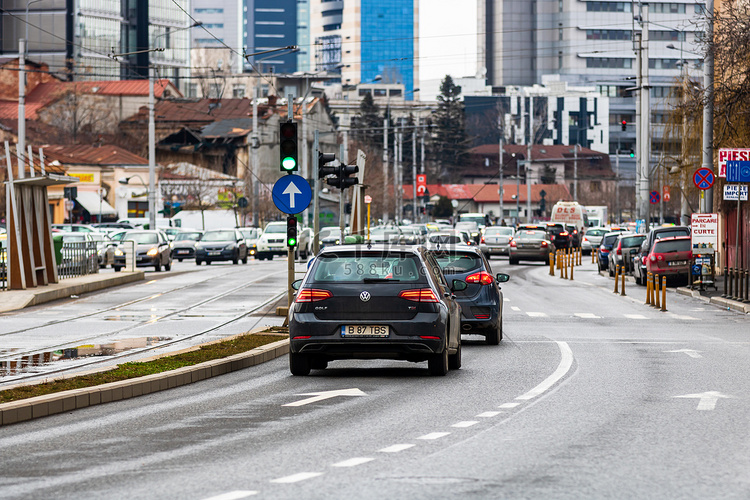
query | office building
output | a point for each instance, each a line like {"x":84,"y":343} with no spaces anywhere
{"x":274,"y":24}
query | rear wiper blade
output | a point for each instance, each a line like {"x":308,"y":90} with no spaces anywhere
{"x":379,"y":280}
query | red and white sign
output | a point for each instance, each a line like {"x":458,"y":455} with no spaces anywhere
{"x":731,"y":154}
{"x":421,"y":185}
{"x":704,"y":229}
{"x":368,"y":199}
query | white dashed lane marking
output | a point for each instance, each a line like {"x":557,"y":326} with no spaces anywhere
{"x":635,"y":316}
{"x":489,"y":414}
{"x":537,"y":314}
{"x":434,"y":435}
{"x":396,"y":448}
{"x":295,"y":478}
{"x":515,"y":308}
{"x":509,"y":405}
{"x":465,"y":423}
{"x":353,"y":462}
{"x":234,"y":495}
{"x":587,"y":315}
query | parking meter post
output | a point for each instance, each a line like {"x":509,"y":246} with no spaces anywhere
{"x":664,"y":293}
{"x":622,"y":285}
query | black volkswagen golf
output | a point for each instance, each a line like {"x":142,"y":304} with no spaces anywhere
{"x":375,"y":302}
{"x":482,"y":301}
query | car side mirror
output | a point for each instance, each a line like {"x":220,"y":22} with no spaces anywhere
{"x":502,"y":277}
{"x":296,"y":284}
{"x":458,"y":285}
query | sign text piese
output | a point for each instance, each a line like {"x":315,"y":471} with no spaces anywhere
{"x":731,"y":154}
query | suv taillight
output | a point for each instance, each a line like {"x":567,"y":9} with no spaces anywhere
{"x":312,"y":295}
{"x":481,"y":277}
{"x":419,"y":295}
{"x":512,"y":243}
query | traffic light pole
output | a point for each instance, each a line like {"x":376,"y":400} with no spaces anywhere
{"x":290,"y":275}
{"x":316,"y":196}
{"x":342,"y":197}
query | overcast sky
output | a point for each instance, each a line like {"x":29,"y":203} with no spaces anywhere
{"x":448,"y":38}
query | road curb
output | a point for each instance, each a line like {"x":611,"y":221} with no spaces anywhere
{"x":50,"y":404}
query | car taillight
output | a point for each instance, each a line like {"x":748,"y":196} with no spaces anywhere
{"x":313,"y":295}
{"x":564,"y":233}
{"x":513,"y":243}
{"x":480,"y":277}
{"x":643,"y":260}
{"x":419,"y":295}
{"x":585,"y":239}
{"x":482,"y":240}
{"x":619,"y":249}
{"x":545,"y":244}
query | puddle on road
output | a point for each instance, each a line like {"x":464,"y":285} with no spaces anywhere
{"x":34,"y":363}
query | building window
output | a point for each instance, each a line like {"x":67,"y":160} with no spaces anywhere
{"x":607,"y":35}
{"x":192,"y":90}
{"x":209,"y":11}
{"x":663,"y":63}
{"x":608,"y":62}
{"x":364,"y":92}
{"x":395,"y":92}
{"x":667,"y":8}
{"x":238,"y":91}
{"x":667,"y":36}
{"x":209,"y":41}
{"x":608,"y":6}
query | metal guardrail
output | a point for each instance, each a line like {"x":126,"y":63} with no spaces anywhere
{"x":78,"y":259}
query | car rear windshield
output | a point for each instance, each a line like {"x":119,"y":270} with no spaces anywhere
{"x":609,"y":239}
{"x":674,"y":232}
{"x":275,"y":228}
{"x":445,"y":239}
{"x":218,"y":236}
{"x":633,"y":241}
{"x":458,"y":262}
{"x":596,"y":232}
{"x":555,"y":229}
{"x":671,"y":246}
{"x":187,"y":236}
{"x":504,"y":231}
{"x":530,"y":235}
{"x":141,"y":238}
{"x":368,"y":267}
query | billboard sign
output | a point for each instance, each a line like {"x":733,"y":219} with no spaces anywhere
{"x":704,"y":230}
{"x":731,"y":154}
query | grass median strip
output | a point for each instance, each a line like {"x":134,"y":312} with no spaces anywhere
{"x":125,"y":371}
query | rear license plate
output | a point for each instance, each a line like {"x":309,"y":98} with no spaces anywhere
{"x":678,"y":263}
{"x":364,"y":331}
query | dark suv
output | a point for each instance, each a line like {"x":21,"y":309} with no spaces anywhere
{"x":559,"y":236}
{"x":482,"y":301}
{"x":657,"y":233}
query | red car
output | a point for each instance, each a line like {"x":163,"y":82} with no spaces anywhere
{"x":670,"y":257}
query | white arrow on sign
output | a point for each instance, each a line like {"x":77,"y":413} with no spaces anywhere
{"x":320,"y":396}
{"x":690,"y":352}
{"x":292,"y":190}
{"x":707,"y":399}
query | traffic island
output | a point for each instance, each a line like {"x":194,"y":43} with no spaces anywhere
{"x":30,"y":401}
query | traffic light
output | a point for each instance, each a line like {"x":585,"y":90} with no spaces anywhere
{"x":632,"y":153}
{"x":343,"y":181}
{"x":288,"y":147}
{"x":624,"y":125}
{"x":291,"y":231}
{"x":324,"y":171}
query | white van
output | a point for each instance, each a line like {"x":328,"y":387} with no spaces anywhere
{"x":570,"y":212}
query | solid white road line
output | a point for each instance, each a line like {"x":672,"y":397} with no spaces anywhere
{"x":353,"y":462}
{"x":537,"y":314}
{"x":434,"y":435}
{"x":294,"y":478}
{"x":465,"y":423}
{"x":489,"y":414}
{"x":234,"y":495}
{"x":396,"y":448}
{"x":566,"y":362}
{"x":635,"y":316}
{"x":509,"y":405}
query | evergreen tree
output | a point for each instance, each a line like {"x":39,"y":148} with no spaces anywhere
{"x":450,"y":143}
{"x":367,"y":126}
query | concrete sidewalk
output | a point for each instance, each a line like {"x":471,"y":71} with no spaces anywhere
{"x":12,"y":300}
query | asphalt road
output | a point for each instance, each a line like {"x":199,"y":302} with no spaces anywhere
{"x":590,"y":395}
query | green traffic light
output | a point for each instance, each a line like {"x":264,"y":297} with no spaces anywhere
{"x":291,"y":242}
{"x":288,"y":163}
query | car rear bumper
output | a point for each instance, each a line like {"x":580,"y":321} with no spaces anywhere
{"x":495,"y":249}
{"x":530,"y":254}
{"x":406,"y":340}
{"x":206,"y":256}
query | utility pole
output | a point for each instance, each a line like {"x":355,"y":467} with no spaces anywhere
{"x":397,"y":189}
{"x":575,"y":171}
{"x":707,"y":196}
{"x":316,"y":195}
{"x":644,"y":139}
{"x":151,"y":152}
{"x":500,"y":185}
{"x":414,"y":174}
{"x":385,"y":165}
{"x":527,"y":169}
{"x":254,"y":167}
{"x":342,"y":195}
{"x":21,"y":146}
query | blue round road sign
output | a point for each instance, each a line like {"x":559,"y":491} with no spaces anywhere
{"x":703,"y":178}
{"x":291,"y":194}
{"x":654,"y":198}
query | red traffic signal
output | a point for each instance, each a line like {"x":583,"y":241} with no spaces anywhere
{"x":624,"y":125}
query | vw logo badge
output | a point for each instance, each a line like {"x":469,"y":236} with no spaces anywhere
{"x":364,"y":296}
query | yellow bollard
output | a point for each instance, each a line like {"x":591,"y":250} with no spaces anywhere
{"x":551,"y":264}
{"x":622,"y":286}
{"x":664,"y":294}
{"x":579,"y":253}
{"x":593,"y":256}
{"x":655,"y":303}
{"x":572,"y":264}
{"x":617,"y":280}
{"x":565,"y":265}
{"x":649,"y":282}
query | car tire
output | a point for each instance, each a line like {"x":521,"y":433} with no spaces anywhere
{"x":179,"y":260}
{"x":611,"y":273}
{"x":117,"y":268}
{"x":198,"y":262}
{"x":269,"y":256}
{"x":168,"y":266}
{"x":244,"y":261}
{"x":511,"y":260}
{"x":236,"y":258}
{"x":438,"y":363}
{"x":493,"y":336}
{"x":157,"y":266}
{"x":454,"y":360}
{"x":299,"y":364}
{"x":318,"y":364}
{"x":208,"y":262}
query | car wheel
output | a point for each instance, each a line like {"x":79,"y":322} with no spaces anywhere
{"x":438,"y":363}
{"x":244,"y":261}
{"x":299,"y":364}
{"x":117,"y":268}
{"x":198,"y":262}
{"x":511,"y":260}
{"x":208,"y":262}
{"x":157,"y":266}
{"x":493,"y":336}
{"x":236,"y":259}
{"x":179,"y":260}
{"x":269,"y":256}
{"x":168,"y":266}
{"x":611,"y":273}
{"x":454,"y":360}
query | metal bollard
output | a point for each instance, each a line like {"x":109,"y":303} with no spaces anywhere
{"x":736,"y":283}
{"x":649,"y":285}
{"x":664,"y":293}
{"x":741,"y":285}
{"x":731,"y":282}
{"x":747,"y":286}
{"x":622,"y":286}
{"x":656,"y":290}
{"x":617,"y":279}
{"x":726,"y":277}
{"x":572,"y":264}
